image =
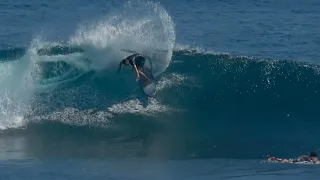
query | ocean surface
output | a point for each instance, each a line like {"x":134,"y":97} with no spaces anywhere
{"x":237,"y":82}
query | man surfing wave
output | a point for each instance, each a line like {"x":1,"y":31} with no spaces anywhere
{"x":137,"y":62}
{"x":312,"y":157}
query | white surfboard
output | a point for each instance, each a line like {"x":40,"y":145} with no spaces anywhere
{"x":146,"y":81}
{"x":150,"y":89}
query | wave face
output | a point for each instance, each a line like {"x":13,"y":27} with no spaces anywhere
{"x":65,"y":97}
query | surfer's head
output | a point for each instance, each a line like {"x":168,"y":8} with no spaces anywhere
{"x":313,"y":154}
{"x":314,"y":157}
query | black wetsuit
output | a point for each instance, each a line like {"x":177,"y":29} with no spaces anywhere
{"x":138,"y":59}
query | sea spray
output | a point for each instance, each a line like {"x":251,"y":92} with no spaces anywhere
{"x":16,"y":91}
{"x":141,"y":27}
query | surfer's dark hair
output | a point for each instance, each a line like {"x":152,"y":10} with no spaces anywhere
{"x":313,"y":154}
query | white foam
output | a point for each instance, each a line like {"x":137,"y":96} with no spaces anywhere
{"x":73,"y":116}
{"x":134,"y":106}
{"x":172,"y":80}
{"x":12,"y":122}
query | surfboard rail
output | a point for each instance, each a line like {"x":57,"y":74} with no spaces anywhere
{"x":147,"y":82}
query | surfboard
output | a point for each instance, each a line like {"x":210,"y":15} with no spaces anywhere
{"x":146,"y":81}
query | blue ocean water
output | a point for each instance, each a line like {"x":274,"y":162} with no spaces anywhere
{"x":238,"y":81}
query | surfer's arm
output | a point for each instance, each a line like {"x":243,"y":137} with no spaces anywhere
{"x":136,"y":69}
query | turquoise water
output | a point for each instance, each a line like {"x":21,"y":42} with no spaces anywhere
{"x":237,"y":82}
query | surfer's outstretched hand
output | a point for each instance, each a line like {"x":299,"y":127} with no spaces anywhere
{"x":137,"y":79}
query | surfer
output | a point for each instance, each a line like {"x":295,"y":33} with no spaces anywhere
{"x":137,"y":61}
{"x":313,"y":157}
